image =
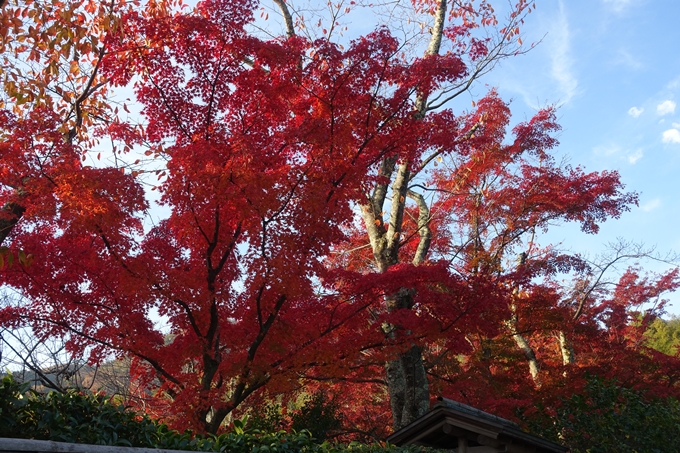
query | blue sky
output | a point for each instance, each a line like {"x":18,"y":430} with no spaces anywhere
{"x":613,"y":66}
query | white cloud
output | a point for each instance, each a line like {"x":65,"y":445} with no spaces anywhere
{"x":606,"y":150}
{"x":651,"y":205}
{"x":612,"y":151}
{"x":635,"y":156}
{"x":618,"y":5}
{"x":665,"y":107}
{"x":671,"y":136}
{"x":673,"y":84}
{"x":635,"y":112}
{"x":560,"y":51}
{"x":626,"y":59}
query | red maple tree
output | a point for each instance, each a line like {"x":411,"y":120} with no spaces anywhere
{"x":328,"y":213}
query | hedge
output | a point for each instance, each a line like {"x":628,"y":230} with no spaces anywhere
{"x":93,"y":419}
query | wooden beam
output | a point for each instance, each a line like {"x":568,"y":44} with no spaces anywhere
{"x":504,"y":446}
{"x":48,"y":446}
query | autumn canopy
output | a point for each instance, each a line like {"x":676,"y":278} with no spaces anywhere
{"x":330,"y":216}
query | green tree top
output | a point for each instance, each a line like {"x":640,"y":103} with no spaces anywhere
{"x":664,"y":335}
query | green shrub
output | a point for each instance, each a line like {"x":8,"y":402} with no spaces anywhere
{"x":91,"y":419}
{"x":608,"y":418}
{"x":70,"y":417}
{"x":315,"y":413}
{"x":319,"y":415}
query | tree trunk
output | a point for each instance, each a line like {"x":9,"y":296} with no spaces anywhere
{"x":566,"y":348}
{"x":406,"y":376}
{"x":534,"y":368}
{"x":15,"y":212}
{"x":408,"y":387}
{"x":525,"y":347}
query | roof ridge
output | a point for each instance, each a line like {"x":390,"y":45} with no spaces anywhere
{"x":453,"y":404}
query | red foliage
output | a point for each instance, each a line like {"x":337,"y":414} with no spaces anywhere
{"x":260,"y":271}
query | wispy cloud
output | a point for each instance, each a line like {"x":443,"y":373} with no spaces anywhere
{"x":635,"y":156}
{"x":614,"y":151}
{"x":562,"y":60}
{"x":635,"y":112}
{"x":665,"y":108}
{"x":618,"y":5}
{"x":606,"y":150}
{"x":671,"y":136}
{"x":673,"y":84}
{"x":651,"y":205}
{"x":626,"y":59}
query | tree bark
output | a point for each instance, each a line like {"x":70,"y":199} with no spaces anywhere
{"x":408,"y":387}
{"x":566,"y":348}
{"x":525,"y":347}
{"x":520,"y":341}
{"x":7,"y":224}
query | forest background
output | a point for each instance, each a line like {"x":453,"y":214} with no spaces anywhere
{"x":311,"y":263}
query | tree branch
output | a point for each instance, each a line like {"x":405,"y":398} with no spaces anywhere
{"x":288,"y":19}
{"x":423,"y":228}
{"x":15,"y":211}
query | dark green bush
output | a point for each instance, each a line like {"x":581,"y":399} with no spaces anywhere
{"x":608,"y":418}
{"x":267,"y":417}
{"x":69,"y":417}
{"x":319,"y":415}
{"x":91,"y":419}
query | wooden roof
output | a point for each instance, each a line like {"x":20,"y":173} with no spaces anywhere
{"x":453,"y":425}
